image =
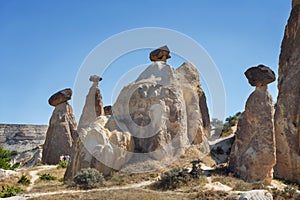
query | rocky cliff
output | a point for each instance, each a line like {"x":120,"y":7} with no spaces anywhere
{"x":24,"y":139}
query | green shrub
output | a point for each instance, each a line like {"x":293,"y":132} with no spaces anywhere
{"x":5,"y":160}
{"x":173,"y":179}
{"x":62,"y":164}
{"x":88,"y":178}
{"x":47,"y":177}
{"x":9,"y":191}
{"x":24,"y":180}
{"x":196,"y":170}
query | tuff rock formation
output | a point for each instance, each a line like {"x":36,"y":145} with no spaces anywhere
{"x":159,"y":114}
{"x":93,"y":104}
{"x":61,"y":132}
{"x":252,"y":155}
{"x":100,"y":141}
{"x":287,"y":115}
{"x":161,"y":110}
{"x":295,"y":3}
{"x":103,"y":148}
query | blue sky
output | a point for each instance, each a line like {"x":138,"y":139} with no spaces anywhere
{"x":44,"y":43}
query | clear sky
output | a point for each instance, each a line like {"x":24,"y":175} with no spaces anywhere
{"x":44,"y":43}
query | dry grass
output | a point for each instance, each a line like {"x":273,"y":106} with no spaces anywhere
{"x":130,"y":194}
{"x":50,"y":186}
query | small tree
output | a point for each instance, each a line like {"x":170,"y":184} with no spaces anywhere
{"x":5,"y":159}
{"x":88,"y":178}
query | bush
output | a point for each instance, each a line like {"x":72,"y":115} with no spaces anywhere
{"x":24,"y":180}
{"x":173,"y":179}
{"x":62,"y":164}
{"x":9,"y":191}
{"x":88,"y":178}
{"x":47,"y":177}
{"x":5,"y":160}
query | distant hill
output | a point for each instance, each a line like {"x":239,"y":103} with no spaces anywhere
{"x":24,"y":140}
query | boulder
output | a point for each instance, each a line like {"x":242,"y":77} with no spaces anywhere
{"x":60,"y":135}
{"x":160,"y":54}
{"x":107,"y":110}
{"x":93,"y":104}
{"x":221,"y":149}
{"x":287,"y":114}
{"x":252,"y":155}
{"x":60,"y":97}
{"x":260,"y":75}
{"x":256,"y":194}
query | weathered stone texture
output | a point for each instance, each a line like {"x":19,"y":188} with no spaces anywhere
{"x":287,"y":115}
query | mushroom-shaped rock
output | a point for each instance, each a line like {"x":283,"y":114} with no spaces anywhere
{"x":95,"y":79}
{"x":160,"y":54}
{"x":60,"y":97}
{"x":260,"y":75}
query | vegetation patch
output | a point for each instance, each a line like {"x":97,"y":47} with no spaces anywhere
{"x":5,"y":159}
{"x":88,"y":178}
{"x":9,"y":191}
{"x":24,"y":180}
{"x":47,"y":177}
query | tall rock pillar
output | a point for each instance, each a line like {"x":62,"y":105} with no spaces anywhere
{"x":287,"y":114}
{"x":253,"y":153}
{"x":61,"y":132}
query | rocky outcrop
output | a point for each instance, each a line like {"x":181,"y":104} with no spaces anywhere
{"x":101,"y":146}
{"x":93,"y":104}
{"x":25,"y":142}
{"x":253,"y":153}
{"x":154,"y":118}
{"x":161,"y":110}
{"x":295,"y":3}
{"x":61,"y":133}
{"x":220,"y":149}
{"x":198,"y":120}
{"x":287,"y":115}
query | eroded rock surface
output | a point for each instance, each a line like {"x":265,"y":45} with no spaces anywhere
{"x":161,"y":110}
{"x":61,"y":133}
{"x":252,"y":155}
{"x":93,"y":104}
{"x":103,"y":148}
{"x":287,"y":115}
{"x":149,"y":119}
